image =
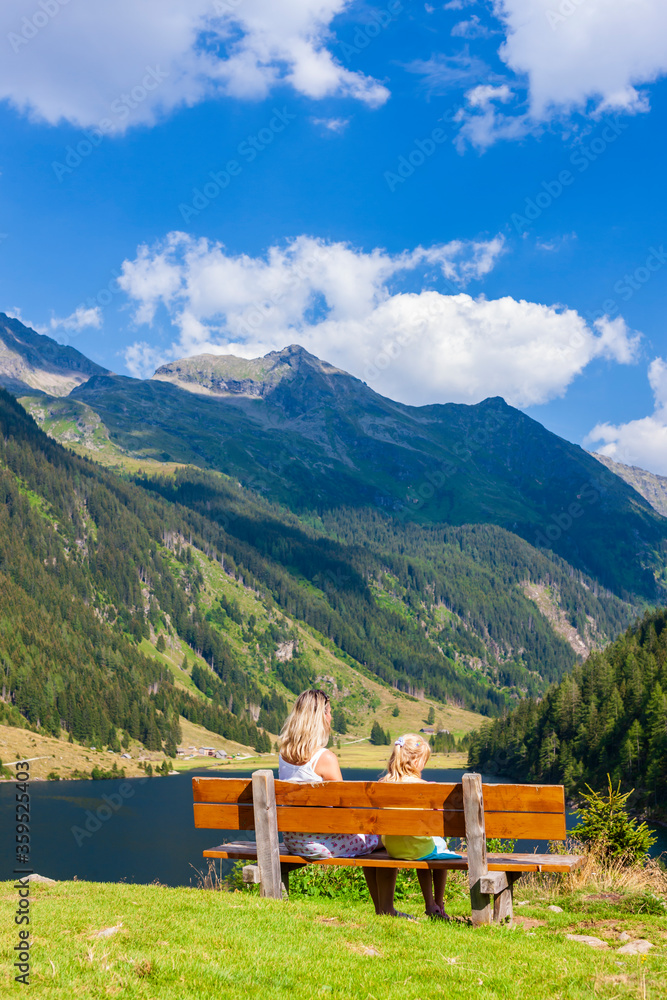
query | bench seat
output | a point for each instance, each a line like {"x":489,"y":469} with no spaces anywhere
{"x":563,"y":863}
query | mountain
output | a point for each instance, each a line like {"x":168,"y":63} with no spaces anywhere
{"x":231,"y":376}
{"x":226,"y":576}
{"x":313,"y":438}
{"x":461,"y":553}
{"x":651,"y":486}
{"x":123,"y":612}
{"x":30,"y":361}
{"x":608,"y":717}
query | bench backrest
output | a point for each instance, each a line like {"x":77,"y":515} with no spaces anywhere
{"x":533,"y":812}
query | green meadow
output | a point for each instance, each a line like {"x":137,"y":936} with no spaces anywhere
{"x":121,"y":940}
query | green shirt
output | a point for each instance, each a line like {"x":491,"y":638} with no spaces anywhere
{"x":409,"y":848}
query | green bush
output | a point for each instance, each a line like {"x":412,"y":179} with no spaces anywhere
{"x":344,"y":883}
{"x":99,"y":774}
{"x":608,"y":828}
{"x":378,"y":735}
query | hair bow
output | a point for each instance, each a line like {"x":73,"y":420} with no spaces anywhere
{"x":400,"y":742}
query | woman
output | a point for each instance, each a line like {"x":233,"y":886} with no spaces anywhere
{"x":304,"y":757}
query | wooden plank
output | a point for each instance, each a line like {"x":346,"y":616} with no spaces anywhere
{"x":407,"y":822}
{"x":370,"y":795}
{"x":399,"y":822}
{"x":503,"y":901}
{"x":222,"y":789}
{"x":518,"y":863}
{"x":293,"y":819}
{"x":268,"y":851}
{"x":223,"y":817}
{"x":524,"y":798}
{"x":493,"y":882}
{"x":475,"y":834}
{"x":374,"y":795}
{"x":525,"y":826}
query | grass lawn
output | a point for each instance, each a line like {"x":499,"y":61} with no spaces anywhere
{"x":174,"y":944}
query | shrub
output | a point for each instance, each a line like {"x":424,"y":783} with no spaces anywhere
{"x":609,"y":830}
{"x":99,"y":774}
{"x":378,"y":736}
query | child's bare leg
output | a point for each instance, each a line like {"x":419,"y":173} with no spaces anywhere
{"x":386,"y":886}
{"x":439,"y":881}
{"x":371,"y":881}
{"x":426,"y":886}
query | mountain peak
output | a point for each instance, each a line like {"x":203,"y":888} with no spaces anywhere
{"x":31,"y":362}
{"x":231,"y":375}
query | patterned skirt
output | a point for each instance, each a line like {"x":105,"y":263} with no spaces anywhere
{"x":318,"y":846}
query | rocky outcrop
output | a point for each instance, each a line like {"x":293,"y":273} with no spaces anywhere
{"x":651,"y":486}
{"x":31,"y":362}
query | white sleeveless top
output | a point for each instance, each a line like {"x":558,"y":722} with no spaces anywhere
{"x":300,"y":772}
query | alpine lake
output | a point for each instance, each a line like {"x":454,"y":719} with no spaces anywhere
{"x":141,"y":830}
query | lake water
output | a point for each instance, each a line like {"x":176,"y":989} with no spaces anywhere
{"x":148,"y":835}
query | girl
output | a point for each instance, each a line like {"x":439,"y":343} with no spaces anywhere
{"x":304,"y":757}
{"x":408,"y":759}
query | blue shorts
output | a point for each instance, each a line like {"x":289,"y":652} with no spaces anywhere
{"x":441,"y":852}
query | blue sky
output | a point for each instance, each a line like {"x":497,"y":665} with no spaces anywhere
{"x":449,"y":201}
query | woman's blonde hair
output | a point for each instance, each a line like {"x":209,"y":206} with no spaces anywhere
{"x":409,"y":756}
{"x":306,"y":728}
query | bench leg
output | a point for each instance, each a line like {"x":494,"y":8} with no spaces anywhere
{"x":266,"y":831}
{"x":284,"y":874}
{"x":503,"y":908}
{"x":473,"y":806}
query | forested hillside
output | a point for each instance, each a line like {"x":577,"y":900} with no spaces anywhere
{"x":388,"y":593}
{"x":93,"y":565}
{"x":86,"y":572}
{"x":608,"y":717}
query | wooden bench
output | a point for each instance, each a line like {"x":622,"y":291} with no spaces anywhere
{"x":269,"y":807}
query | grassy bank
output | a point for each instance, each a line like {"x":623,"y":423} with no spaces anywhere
{"x":181,"y":943}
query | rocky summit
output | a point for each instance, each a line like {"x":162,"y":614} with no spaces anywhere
{"x":30,"y":361}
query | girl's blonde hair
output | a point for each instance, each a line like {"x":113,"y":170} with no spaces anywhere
{"x":408,"y":758}
{"x":306,"y":728}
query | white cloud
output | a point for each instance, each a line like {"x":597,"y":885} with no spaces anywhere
{"x":78,"y":62}
{"x":142,"y":360}
{"x":576,"y":51}
{"x":483,"y":96}
{"x":482,"y":124}
{"x":563,"y":58}
{"x":640,"y":442}
{"x":471,"y":29}
{"x":335,"y":125}
{"x":444,"y":73}
{"x":80,"y":319}
{"x":347,"y":306}
{"x":556,"y":243}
